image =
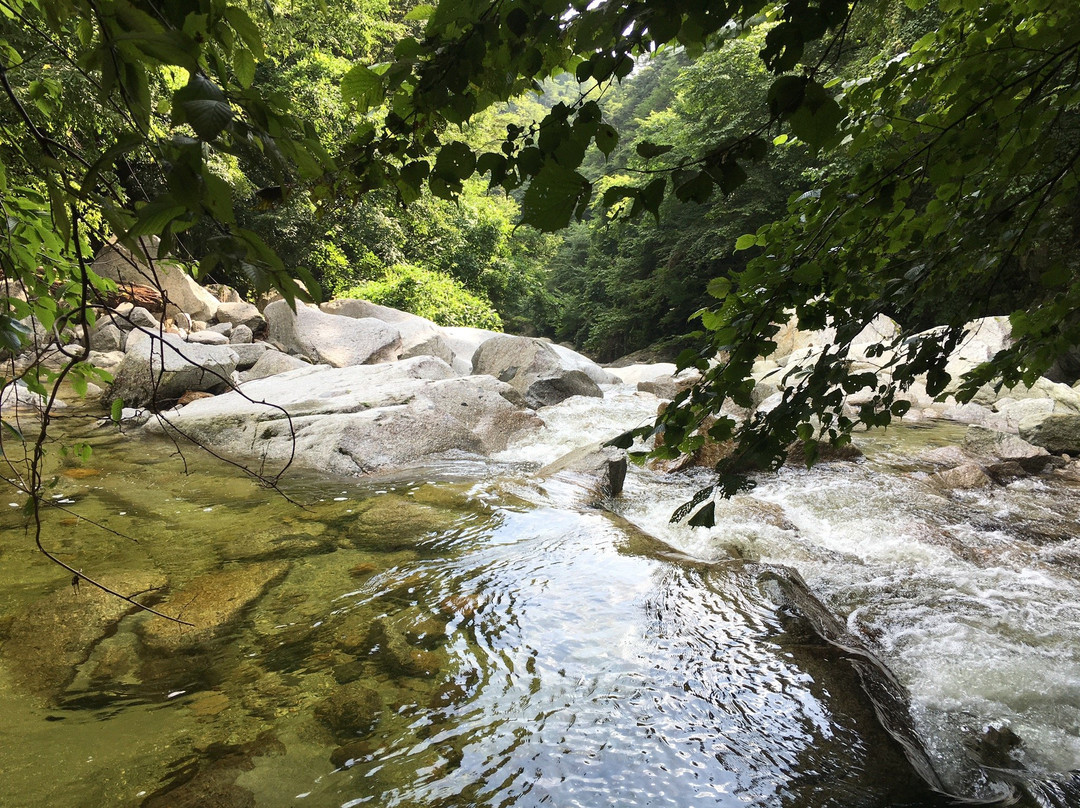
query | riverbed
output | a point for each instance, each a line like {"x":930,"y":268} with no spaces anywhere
{"x":467,"y":633}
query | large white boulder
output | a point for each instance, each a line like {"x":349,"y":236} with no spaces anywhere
{"x":357,"y":419}
{"x":632,"y":374}
{"x":329,"y":338}
{"x":419,"y":336}
{"x":533,"y":368}
{"x":157,"y":370}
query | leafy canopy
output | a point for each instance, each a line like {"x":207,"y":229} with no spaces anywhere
{"x":956,"y":196}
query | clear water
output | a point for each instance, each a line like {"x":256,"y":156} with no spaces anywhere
{"x":480,"y":637}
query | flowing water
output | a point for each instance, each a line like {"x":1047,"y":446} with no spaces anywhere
{"x":469,"y":634}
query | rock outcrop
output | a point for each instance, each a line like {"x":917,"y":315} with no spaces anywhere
{"x":533,"y":368}
{"x":358,"y":419}
{"x":329,"y":338}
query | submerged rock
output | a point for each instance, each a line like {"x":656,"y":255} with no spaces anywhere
{"x":352,"y":709}
{"x":210,"y":602}
{"x":47,"y":642}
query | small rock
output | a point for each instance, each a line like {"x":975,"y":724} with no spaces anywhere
{"x":208,"y":337}
{"x":106,"y":338}
{"x":241,"y":335}
{"x":352,"y":709}
{"x":271,"y":363}
{"x":141,"y":318}
{"x":969,"y":475}
{"x":245,"y":314}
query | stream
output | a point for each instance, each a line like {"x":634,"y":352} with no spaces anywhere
{"x":470,"y":634}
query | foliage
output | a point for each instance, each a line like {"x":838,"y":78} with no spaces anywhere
{"x":959,"y":203}
{"x":429,"y":294}
{"x":948,"y":191}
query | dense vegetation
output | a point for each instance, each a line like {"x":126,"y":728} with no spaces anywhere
{"x":841,"y":160}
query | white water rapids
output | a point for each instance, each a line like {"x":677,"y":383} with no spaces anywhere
{"x":971,"y":598}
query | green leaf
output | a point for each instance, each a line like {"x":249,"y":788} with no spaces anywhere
{"x":745,"y":242}
{"x":705,"y":517}
{"x":420,"y":13}
{"x":456,"y":161}
{"x":203,"y":106}
{"x":649,"y":150}
{"x":13,"y":334}
{"x":154,"y":217}
{"x":719,"y":287}
{"x":607,"y":138}
{"x":552,"y":197}
{"x":363,"y":87}
{"x":244,"y":67}
{"x":697,"y":189}
{"x":116,"y":410}
{"x":246,"y":29}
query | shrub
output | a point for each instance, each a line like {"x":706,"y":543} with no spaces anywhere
{"x":429,"y":294}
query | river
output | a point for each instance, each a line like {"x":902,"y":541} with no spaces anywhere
{"x":468,"y":634}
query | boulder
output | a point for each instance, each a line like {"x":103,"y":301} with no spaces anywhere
{"x":226,"y":294}
{"x":180,"y":291}
{"x":1000,"y":445}
{"x":598,"y":468}
{"x":983,"y":340}
{"x":106,"y":360}
{"x":270,"y":363}
{"x":358,"y":419}
{"x":1014,"y":411}
{"x":248,"y":353}
{"x":208,"y":338}
{"x":158,"y":370}
{"x":419,"y":336}
{"x":141,"y":318}
{"x":968,"y":475}
{"x":464,"y":341}
{"x":210,"y":602}
{"x":329,"y":338}
{"x":246,"y":314}
{"x":1056,"y":432}
{"x":106,"y":337}
{"x":572,"y":360}
{"x":635,"y":374}
{"x":667,"y":387}
{"x":241,"y":335}
{"x":15,"y":395}
{"x":532,"y":368}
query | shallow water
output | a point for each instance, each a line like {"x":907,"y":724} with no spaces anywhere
{"x":469,"y":635}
